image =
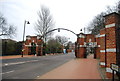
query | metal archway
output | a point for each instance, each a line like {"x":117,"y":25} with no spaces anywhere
{"x":59,"y":30}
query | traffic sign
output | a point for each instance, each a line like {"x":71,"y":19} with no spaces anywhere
{"x":114,"y":67}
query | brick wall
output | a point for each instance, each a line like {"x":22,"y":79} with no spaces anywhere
{"x":90,"y":36}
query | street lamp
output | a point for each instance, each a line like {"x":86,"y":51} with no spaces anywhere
{"x":26,"y":22}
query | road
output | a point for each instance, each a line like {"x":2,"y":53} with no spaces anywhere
{"x":32,"y":67}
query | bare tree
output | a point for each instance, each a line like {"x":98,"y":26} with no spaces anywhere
{"x":5,"y":28}
{"x":44,"y":23}
{"x":97,"y":24}
{"x":118,"y":7}
{"x":115,"y":8}
{"x":62,"y":39}
{"x":111,"y":9}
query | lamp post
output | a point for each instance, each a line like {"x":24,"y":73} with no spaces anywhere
{"x":25,"y":22}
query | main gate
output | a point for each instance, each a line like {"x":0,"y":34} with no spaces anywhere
{"x":86,"y":44}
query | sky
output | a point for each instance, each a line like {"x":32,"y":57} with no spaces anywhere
{"x":69,"y":14}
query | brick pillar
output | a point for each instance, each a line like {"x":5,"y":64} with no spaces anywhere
{"x":102,"y":47}
{"x":41,"y":50}
{"x":111,"y":21}
{"x":25,"y":50}
{"x":36,"y":49}
{"x":76,"y":49}
{"x":80,"y":46}
{"x":97,"y":41}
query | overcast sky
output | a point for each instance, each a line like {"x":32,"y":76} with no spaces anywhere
{"x":69,"y":14}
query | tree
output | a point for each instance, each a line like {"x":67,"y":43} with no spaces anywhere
{"x":5,"y":28}
{"x":99,"y":22}
{"x":8,"y":47}
{"x":62,"y":39}
{"x":118,"y":7}
{"x":44,"y":22}
{"x":53,"y":46}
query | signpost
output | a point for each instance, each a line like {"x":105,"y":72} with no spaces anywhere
{"x":114,"y":67}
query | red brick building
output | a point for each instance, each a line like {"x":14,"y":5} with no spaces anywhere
{"x":106,"y":45}
{"x":32,"y":45}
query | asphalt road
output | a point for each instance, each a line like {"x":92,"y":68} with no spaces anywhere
{"x":32,"y":67}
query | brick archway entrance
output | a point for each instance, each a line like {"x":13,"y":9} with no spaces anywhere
{"x":33,"y":46}
{"x":86,"y":44}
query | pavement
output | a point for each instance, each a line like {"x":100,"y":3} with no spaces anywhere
{"x":18,"y":56}
{"x":75,"y":69}
{"x":14,"y":56}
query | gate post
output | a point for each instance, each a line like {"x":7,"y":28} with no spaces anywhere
{"x":111,"y":24}
{"x":80,"y":46}
{"x":102,"y":48}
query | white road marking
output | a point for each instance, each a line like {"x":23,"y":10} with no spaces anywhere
{"x":8,"y":72}
{"x":19,"y":62}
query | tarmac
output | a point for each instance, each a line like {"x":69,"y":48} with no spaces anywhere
{"x":78,"y":68}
